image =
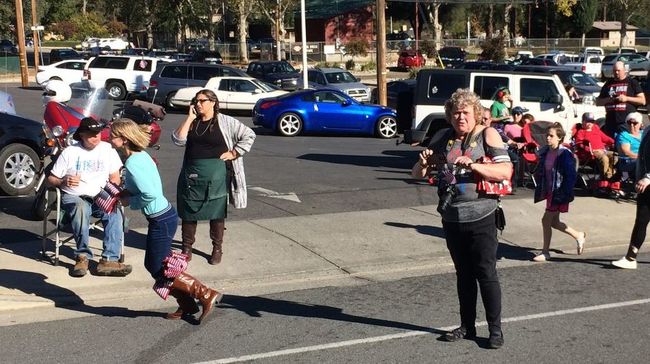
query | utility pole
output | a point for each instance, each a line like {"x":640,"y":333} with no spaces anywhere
{"x":381,"y":52}
{"x":20,"y":34}
{"x":36,"y":35}
{"x":277,"y":31}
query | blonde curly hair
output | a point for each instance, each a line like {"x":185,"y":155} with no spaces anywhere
{"x":462,"y":98}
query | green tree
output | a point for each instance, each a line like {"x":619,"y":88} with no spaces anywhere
{"x":584,"y":16}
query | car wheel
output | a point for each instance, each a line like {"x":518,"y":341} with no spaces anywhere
{"x":116,"y":90}
{"x":55,"y":78}
{"x":168,"y":101}
{"x":290,"y":124}
{"x":20,"y":165}
{"x":386,"y":127}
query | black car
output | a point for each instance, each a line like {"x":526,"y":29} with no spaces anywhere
{"x":205,"y":56}
{"x":399,"y":96}
{"x":57,"y":55}
{"x":22,"y":149}
{"x":451,"y":56}
{"x":7,"y":46}
{"x":277,"y":73}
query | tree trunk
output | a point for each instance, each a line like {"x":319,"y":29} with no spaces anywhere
{"x":83,"y":7}
{"x":506,"y":23}
{"x":149,"y":26}
{"x":490,"y":26}
{"x":243,"y":32}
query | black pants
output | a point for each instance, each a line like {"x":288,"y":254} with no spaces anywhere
{"x":640,"y":223}
{"x":473,"y":248}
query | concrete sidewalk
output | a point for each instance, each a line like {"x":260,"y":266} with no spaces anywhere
{"x":271,"y":255}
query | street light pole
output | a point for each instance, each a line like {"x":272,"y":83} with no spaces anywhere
{"x":36,"y":35}
{"x":381,"y":52}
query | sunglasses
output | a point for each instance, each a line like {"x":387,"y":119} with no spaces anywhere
{"x":200,"y":101}
{"x":632,"y":122}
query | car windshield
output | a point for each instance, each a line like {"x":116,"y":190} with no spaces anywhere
{"x":610,"y":58}
{"x":281,"y":67}
{"x":264,"y":86}
{"x":340,"y":77}
{"x":577,"y":79}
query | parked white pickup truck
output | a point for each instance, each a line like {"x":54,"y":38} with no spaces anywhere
{"x":589,"y":64}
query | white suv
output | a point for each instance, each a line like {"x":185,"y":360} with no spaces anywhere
{"x":114,"y":44}
{"x":120,"y":75}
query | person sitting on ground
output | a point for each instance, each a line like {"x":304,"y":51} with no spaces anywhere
{"x":590,"y":139}
{"x":81,"y":172}
{"x":627,"y":143}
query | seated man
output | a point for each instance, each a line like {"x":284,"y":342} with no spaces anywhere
{"x":627,"y":144}
{"x":81,"y":171}
{"x":590,"y":139}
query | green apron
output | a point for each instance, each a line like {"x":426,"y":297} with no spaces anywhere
{"x":201,"y":192}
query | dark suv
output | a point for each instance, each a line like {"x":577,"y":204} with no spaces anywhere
{"x":57,"y":55}
{"x":451,"y":56}
{"x":6,"y":46}
{"x":277,"y":73}
{"x":171,"y":77}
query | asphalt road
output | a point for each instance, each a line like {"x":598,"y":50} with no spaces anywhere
{"x":566,"y":311}
{"x":326,"y":174}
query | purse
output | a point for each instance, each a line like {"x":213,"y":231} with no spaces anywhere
{"x":500,"y":217}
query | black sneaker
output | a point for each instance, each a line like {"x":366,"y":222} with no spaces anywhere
{"x":495,"y":341}
{"x":460,"y":333}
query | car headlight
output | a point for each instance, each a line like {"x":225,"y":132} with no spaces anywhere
{"x":57,"y":131}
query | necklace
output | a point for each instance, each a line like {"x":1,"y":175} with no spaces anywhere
{"x":196,"y":129}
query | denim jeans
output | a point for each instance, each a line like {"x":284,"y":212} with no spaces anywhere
{"x":473,"y":248}
{"x":80,"y":211}
{"x":160,"y":234}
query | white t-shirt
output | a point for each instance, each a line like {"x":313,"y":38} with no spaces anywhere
{"x":94,"y":166}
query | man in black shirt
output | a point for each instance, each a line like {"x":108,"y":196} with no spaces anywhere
{"x":620,"y":96}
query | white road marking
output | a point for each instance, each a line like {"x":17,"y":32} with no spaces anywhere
{"x":291,"y":196}
{"x":403,"y":335}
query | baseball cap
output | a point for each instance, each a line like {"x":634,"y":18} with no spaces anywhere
{"x":588,"y":117}
{"x":519,"y":110}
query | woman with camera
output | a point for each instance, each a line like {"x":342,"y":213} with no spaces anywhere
{"x":460,"y":155}
{"x":212,"y":171}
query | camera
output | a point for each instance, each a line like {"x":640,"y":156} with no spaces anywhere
{"x":446,"y":197}
{"x":449,"y":190}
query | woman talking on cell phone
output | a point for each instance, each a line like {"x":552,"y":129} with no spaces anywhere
{"x":212,"y":171}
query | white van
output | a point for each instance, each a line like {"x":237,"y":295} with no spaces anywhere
{"x":120,"y":75}
{"x":542,"y":94}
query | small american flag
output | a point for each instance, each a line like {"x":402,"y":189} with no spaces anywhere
{"x":108,"y":197}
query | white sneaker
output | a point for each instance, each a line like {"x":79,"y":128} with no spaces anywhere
{"x":581,"y":243}
{"x":624,"y":263}
{"x":542,"y":257}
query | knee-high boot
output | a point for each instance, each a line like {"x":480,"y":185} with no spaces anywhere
{"x":191,"y":286}
{"x":217,"y":228}
{"x":186,"y":305}
{"x":188,"y":234}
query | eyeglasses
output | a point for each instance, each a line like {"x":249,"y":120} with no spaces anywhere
{"x":200,"y":101}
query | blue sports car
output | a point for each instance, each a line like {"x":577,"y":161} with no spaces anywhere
{"x":323,"y":110}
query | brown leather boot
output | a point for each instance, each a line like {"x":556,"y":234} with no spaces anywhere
{"x":188,"y":234}
{"x":186,"y":305}
{"x":217,"y":228}
{"x":208,"y":297}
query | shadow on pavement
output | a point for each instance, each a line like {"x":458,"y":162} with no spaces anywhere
{"x":20,"y":207}
{"x":254,"y":306}
{"x":362,"y":160}
{"x":36,"y":284}
{"x":422,"y":229}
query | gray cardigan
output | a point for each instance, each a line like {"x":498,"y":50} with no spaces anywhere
{"x":239,"y":137}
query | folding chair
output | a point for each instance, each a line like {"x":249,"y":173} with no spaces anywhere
{"x":59,"y":241}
